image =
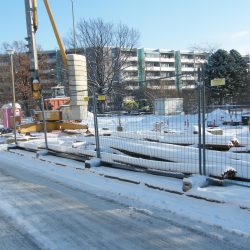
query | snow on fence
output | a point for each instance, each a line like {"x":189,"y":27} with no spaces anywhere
{"x":168,"y":142}
{"x":171,"y":141}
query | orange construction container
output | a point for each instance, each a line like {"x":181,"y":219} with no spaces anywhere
{"x":55,"y":103}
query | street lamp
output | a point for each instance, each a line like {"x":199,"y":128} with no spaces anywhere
{"x":73,"y":19}
{"x":11,"y":53}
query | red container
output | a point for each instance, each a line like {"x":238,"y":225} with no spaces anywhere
{"x":55,"y":103}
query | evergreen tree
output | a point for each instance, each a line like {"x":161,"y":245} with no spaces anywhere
{"x":233,"y":68}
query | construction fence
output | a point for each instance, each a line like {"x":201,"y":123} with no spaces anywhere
{"x":213,"y":141}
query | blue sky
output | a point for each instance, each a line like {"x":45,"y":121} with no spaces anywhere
{"x":169,"y":24}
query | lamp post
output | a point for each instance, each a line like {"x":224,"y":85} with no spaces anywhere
{"x":73,"y":19}
{"x":11,"y":53}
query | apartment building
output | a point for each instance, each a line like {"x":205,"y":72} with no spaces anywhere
{"x":55,"y":73}
{"x":156,"y":67}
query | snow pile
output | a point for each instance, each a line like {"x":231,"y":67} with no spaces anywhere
{"x":195,"y":181}
{"x":94,"y":162}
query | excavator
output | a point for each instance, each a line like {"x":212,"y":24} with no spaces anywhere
{"x":60,"y":110}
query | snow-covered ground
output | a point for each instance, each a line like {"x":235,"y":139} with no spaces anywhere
{"x":226,"y":207}
{"x":170,"y":144}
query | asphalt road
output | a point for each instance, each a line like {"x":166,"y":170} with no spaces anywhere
{"x":38,"y":213}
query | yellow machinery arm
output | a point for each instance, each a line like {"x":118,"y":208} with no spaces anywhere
{"x":59,"y":41}
{"x":35,"y":19}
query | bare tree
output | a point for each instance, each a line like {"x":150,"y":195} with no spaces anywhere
{"x":22,"y":73}
{"x":5,"y":86}
{"x":107,"y":47}
{"x":205,"y":48}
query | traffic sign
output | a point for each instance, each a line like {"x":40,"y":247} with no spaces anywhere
{"x":218,"y":82}
{"x":101,"y":98}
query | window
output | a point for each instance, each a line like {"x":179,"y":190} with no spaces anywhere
{"x":165,"y":55}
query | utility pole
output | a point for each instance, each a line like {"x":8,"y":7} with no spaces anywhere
{"x":11,"y":52}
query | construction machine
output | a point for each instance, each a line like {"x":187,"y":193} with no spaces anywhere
{"x":60,"y":110}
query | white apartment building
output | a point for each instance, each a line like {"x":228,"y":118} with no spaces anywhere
{"x":154,"y":67}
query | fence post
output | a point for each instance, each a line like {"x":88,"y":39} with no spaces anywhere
{"x":44,"y":123}
{"x":199,"y":119}
{"x":203,"y":124}
{"x":97,"y":142}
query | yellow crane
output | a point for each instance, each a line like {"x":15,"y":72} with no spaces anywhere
{"x":58,"y":38}
{"x":53,"y":117}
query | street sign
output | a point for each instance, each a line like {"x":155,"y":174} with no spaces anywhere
{"x":218,"y":82}
{"x":101,"y":98}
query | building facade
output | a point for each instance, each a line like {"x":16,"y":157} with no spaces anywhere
{"x":175,"y":69}
{"x":153,"y":68}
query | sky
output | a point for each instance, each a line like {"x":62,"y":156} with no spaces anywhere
{"x":166,"y":24}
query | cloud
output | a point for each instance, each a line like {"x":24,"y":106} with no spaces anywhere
{"x":240,"y":34}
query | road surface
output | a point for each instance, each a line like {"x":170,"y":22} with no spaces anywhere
{"x":39,"y":213}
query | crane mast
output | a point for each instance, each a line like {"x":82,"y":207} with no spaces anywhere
{"x":31,"y":24}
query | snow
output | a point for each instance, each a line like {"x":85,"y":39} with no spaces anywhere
{"x":196,"y":181}
{"x":231,"y":214}
{"x":172,"y":160}
{"x":94,"y":162}
{"x":168,"y":140}
{"x":171,"y":145}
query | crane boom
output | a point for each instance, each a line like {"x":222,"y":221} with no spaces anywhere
{"x":58,"y":38}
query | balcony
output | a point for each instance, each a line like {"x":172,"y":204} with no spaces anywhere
{"x":162,"y":59}
{"x":187,"y":69}
{"x":132,"y":87}
{"x":152,"y":68}
{"x":167,"y":69}
{"x":190,"y":78}
{"x":131,"y":68}
{"x":132,"y":59}
{"x":152,"y":59}
{"x":162,"y":87}
{"x":187,"y":60}
{"x":130,"y":78}
{"x":198,"y":60}
{"x":149,"y":77}
{"x":190,"y":86}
